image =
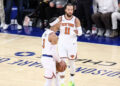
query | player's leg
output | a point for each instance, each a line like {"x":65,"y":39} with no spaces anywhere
{"x":72,"y":52}
{"x":57,"y":79}
{"x":63,"y":55}
{"x":62,"y":75}
{"x":72,"y":72}
{"x":48,"y":82}
{"x":50,"y":69}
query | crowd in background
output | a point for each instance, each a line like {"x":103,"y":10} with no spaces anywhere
{"x":99,"y":17}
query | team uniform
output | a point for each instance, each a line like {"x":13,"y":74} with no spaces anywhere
{"x":47,"y":60}
{"x":67,"y":44}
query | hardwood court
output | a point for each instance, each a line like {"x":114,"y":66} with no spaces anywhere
{"x":97,"y":65}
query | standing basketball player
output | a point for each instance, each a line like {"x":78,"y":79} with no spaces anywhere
{"x":70,"y":28}
{"x":50,"y":56}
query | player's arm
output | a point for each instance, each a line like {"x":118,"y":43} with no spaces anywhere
{"x":55,"y":28}
{"x":57,"y":22}
{"x":78,"y":30}
{"x":53,"y":39}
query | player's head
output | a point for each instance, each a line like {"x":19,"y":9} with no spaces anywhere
{"x":69,"y":9}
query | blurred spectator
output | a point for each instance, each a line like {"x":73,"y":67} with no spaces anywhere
{"x":45,"y":10}
{"x":102,"y":15}
{"x":40,"y":14}
{"x":56,"y":8}
{"x":9,"y":4}
{"x":2,"y":15}
{"x":84,"y":13}
{"x":48,"y":9}
{"x":33,"y":3}
{"x":115,"y":18}
{"x":41,"y":10}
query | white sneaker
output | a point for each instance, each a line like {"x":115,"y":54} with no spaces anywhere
{"x":88,"y":33}
{"x":19,"y":27}
{"x":5,"y":26}
{"x":100,"y":32}
{"x":107,"y":33}
{"x":1,"y":26}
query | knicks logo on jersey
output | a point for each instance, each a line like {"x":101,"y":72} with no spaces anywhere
{"x":68,"y":24}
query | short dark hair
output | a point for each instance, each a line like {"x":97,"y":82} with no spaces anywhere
{"x":69,"y":4}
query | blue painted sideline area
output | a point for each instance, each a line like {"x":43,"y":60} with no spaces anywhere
{"x":37,"y":32}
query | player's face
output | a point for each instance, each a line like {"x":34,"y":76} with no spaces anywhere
{"x":69,"y":11}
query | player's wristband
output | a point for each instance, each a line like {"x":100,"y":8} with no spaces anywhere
{"x":79,"y":31}
{"x":55,"y":22}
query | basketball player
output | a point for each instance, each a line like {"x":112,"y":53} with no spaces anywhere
{"x":50,"y":56}
{"x":70,"y":28}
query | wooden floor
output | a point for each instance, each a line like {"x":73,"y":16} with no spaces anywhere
{"x":97,"y":65}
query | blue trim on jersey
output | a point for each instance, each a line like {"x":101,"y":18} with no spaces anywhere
{"x":47,"y":55}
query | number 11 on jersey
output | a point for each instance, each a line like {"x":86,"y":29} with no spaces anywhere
{"x":67,"y":30}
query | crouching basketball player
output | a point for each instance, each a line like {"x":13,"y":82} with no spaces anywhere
{"x":70,"y":28}
{"x":50,"y":56}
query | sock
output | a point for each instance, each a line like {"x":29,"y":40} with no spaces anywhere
{"x":48,"y":82}
{"x":62,"y":81}
{"x":62,"y":77}
{"x":72,"y":70}
{"x":72,"y":77}
{"x":57,"y":83}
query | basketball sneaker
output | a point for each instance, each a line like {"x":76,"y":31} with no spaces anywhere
{"x":107,"y":33}
{"x":5,"y":26}
{"x":100,"y":32}
{"x":19,"y":27}
{"x":62,"y":84}
{"x":71,"y":84}
{"x":88,"y":33}
{"x":1,"y":26}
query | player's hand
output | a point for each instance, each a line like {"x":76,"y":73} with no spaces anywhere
{"x":76,"y":31}
{"x":61,"y":62}
{"x":52,"y":4}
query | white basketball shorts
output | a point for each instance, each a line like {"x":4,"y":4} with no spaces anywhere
{"x":67,"y":50}
{"x":50,"y":67}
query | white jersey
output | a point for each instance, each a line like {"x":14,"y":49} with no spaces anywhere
{"x":67,"y":28}
{"x":48,"y":63}
{"x":46,"y":45}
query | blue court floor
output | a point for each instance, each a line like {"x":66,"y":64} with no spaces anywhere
{"x":37,"y":32}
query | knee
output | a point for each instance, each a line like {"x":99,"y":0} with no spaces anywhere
{"x":72,"y":64}
{"x":114,"y":15}
{"x":103,"y":17}
{"x":95,"y":17}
